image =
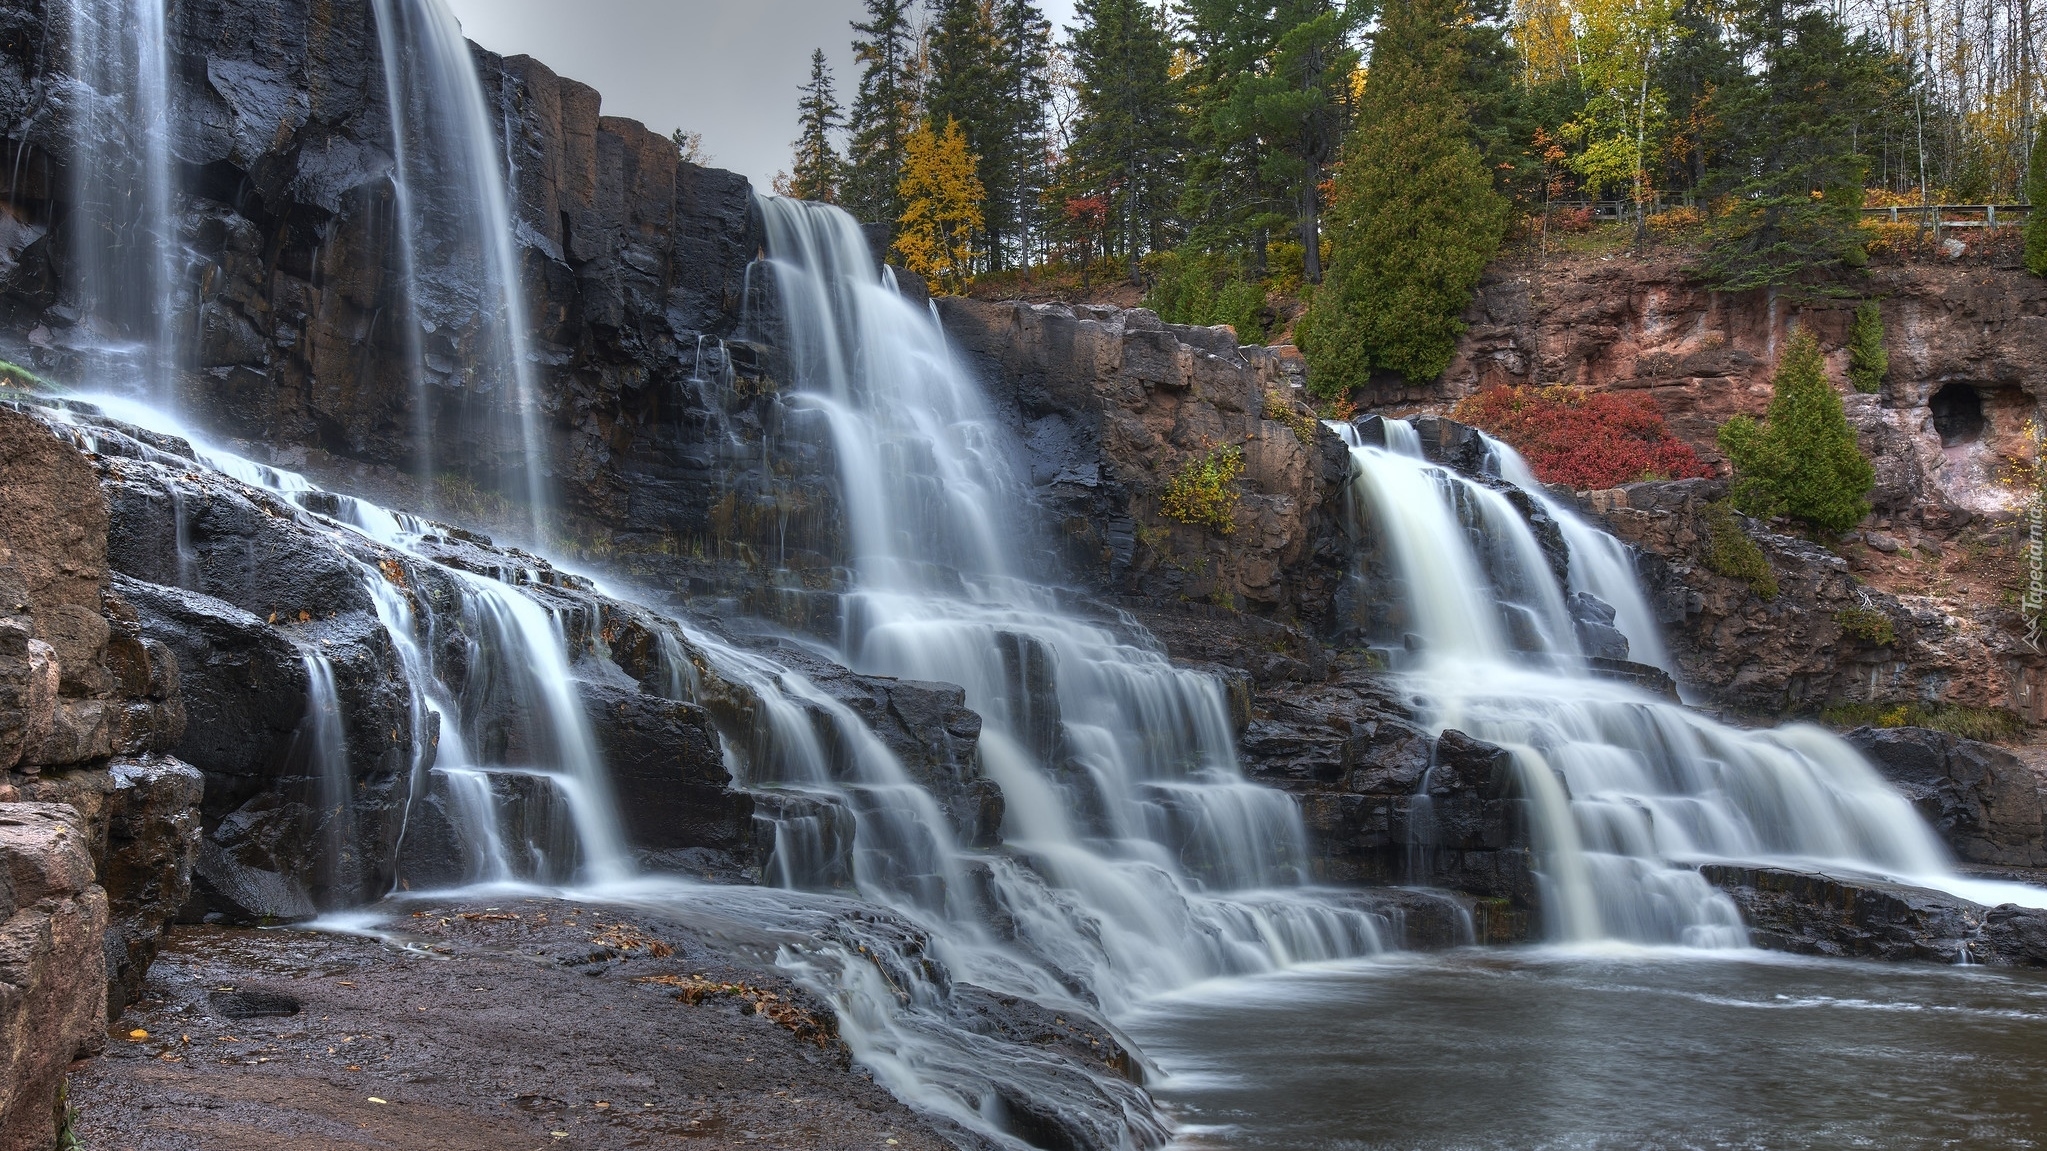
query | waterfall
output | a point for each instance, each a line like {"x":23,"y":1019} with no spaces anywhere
{"x":121,"y":229}
{"x":1626,"y":792}
{"x":473,"y":368}
{"x":321,"y":747}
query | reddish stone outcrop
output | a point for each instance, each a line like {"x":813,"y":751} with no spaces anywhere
{"x":1640,"y":324}
{"x":53,"y":971}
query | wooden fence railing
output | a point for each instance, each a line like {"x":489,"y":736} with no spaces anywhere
{"x":1937,"y":216}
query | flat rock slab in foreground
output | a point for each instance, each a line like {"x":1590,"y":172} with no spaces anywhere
{"x":1813,"y":913}
{"x":544,"y":1024}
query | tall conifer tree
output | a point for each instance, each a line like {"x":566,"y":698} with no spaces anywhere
{"x":1014,"y":169}
{"x":1414,"y":218}
{"x":884,"y":110}
{"x":964,"y":87}
{"x":815,"y":174}
{"x":1127,"y":136}
{"x":1791,"y":175}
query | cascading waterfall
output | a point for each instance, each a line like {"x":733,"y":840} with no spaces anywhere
{"x":1138,"y":858}
{"x":1624,"y":789}
{"x":121,"y":228}
{"x":322,"y":745}
{"x":544,"y":815}
{"x":473,"y":364}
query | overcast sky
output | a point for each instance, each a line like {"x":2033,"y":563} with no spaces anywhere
{"x":728,"y":70}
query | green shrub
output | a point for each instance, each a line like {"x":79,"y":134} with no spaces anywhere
{"x":1991,"y":725}
{"x":1191,"y":287}
{"x":1279,"y":407}
{"x":1867,"y":360}
{"x":1868,"y":625}
{"x":1730,"y":552}
{"x":1801,"y":460}
{"x":1204,"y":490}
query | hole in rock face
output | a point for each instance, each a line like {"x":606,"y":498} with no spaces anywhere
{"x":1958,"y":415}
{"x":252,"y":1004}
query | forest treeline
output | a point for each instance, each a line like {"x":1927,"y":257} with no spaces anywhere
{"x":1370,"y":159}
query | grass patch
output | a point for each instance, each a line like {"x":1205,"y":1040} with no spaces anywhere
{"x":1730,"y":551}
{"x":1990,"y":725}
{"x":1868,"y":625}
{"x":1279,"y":407}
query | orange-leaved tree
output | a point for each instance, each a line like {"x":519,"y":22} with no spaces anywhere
{"x":941,"y":198}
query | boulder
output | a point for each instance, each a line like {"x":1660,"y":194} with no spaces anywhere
{"x":1816,"y":913}
{"x":668,"y":774}
{"x":1981,"y":799}
{"x":53,"y":965}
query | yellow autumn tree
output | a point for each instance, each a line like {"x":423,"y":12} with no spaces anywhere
{"x":941,"y":198}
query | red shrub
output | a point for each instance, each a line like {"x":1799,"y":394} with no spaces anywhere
{"x":1589,"y":440}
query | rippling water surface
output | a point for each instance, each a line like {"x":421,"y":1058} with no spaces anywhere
{"x":1538,"y":1050}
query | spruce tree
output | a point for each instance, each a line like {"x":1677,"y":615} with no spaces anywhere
{"x":884,"y":110}
{"x":1802,"y":460}
{"x":1127,"y":136}
{"x":815,"y":174}
{"x":1791,"y":176}
{"x":964,"y":84}
{"x":2036,"y":222}
{"x":1271,"y":97}
{"x":1868,"y":361}
{"x":1014,"y":167}
{"x":1414,"y":218}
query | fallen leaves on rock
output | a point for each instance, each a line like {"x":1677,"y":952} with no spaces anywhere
{"x":820,"y":1031}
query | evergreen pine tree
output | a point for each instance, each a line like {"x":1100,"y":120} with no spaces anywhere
{"x":2036,"y":223}
{"x":1126,"y":139}
{"x":1801,"y":460}
{"x":1414,"y":218}
{"x":964,"y":86}
{"x":941,"y":196}
{"x":1272,"y":104}
{"x":815,"y":174}
{"x":1791,"y":178}
{"x":1014,"y":167}
{"x":1868,"y":361}
{"x":884,"y":110}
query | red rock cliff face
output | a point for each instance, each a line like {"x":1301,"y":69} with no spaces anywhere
{"x":1966,"y":338}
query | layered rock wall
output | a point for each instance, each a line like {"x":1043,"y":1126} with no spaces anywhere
{"x":53,"y":968}
{"x":1110,"y":404}
{"x":1971,"y":332}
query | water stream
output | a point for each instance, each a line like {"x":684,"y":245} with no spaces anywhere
{"x":473,"y":363}
{"x":1136,"y":874}
{"x":1624,"y":789}
{"x":121,"y":230}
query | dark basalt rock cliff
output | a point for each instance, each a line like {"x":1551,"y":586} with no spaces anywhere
{"x":656,"y":391}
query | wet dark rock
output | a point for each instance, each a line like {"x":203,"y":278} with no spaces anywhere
{"x":1980,"y":798}
{"x":1593,"y":619}
{"x":243,"y":681}
{"x":668,"y":775}
{"x":1653,"y":680}
{"x":1454,"y":445}
{"x":1812,"y":913}
{"x":2013,"y":936}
